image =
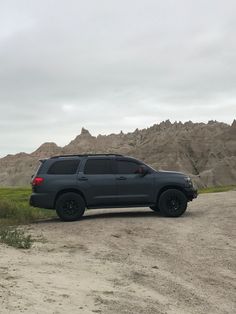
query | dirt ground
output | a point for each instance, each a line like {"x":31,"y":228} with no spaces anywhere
{"x":127,"y":261}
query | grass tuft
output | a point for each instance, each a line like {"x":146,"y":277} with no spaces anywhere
{"x":15,"y":237}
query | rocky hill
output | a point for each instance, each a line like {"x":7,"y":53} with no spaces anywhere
{"x":205,"y":151}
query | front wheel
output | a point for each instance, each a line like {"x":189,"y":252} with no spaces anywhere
{"x":172,"y":203}
{"x":70,"y":206}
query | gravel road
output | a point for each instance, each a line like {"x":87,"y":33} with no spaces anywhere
{"x":127,"y":261}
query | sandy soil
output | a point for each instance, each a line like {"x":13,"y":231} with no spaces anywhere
{"x":127,"y":261}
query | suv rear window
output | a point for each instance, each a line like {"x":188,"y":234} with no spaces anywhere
{"x":64,"y":167}
{"x":98,"y":166}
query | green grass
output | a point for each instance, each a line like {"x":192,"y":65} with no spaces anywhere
{"x":15,"y":211}
{"x":217,"y":189}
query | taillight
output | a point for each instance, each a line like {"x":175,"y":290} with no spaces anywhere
{"x":37,"y":181}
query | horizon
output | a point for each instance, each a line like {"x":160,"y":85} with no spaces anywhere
{"x":114,"y":133}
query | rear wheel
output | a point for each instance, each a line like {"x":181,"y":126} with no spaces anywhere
{"x":70,"y":206}
{"x":172,"y":203}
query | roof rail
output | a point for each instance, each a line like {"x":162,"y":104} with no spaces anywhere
{"x":84,"y":155}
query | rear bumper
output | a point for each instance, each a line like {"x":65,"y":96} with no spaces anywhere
{"x":42,"y":200}
{"x":191,"y":193}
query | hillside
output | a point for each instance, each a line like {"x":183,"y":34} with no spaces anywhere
{"x":205,"y":151}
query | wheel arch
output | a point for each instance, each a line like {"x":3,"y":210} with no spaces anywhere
{"x":68,"y":190}
{"x":168,"y":187}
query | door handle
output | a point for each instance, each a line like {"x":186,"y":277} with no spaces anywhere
{"x":121,"y":178}
{"x":83,"y":179}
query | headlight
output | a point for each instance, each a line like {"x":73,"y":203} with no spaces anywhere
{"x":188,"y":181}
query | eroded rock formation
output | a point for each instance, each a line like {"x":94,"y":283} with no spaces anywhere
{"x":205,"y":151}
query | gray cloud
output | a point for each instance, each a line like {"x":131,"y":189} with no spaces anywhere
{"x":112,"y":65}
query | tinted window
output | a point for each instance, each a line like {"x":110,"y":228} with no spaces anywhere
{"x":127,"y":167}
{"x":64,"y":167}
{"x":98,"y":166}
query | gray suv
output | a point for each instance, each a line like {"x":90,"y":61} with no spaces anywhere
{"x":71,"y":183}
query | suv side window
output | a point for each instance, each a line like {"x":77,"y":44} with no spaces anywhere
{"x":98,"y":166}
{"x":64,"y":167}
{"x":127,"y":167}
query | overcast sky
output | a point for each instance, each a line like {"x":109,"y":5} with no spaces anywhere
{"x":110,"y":65}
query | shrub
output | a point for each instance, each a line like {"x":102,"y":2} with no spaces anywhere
{"x":15,"y":237}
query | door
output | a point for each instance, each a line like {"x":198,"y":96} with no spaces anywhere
{"x":132,"y":187}
{"x":98,"y":182}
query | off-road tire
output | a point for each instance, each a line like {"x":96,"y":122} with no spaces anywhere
{"x":172,"y":203}
{"x":70,"y":206}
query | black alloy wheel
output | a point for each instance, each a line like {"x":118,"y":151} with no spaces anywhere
{"x":172,"y":203}
{"x":70,"y":206}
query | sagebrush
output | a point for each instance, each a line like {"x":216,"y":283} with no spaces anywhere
{"x":15,"y":237}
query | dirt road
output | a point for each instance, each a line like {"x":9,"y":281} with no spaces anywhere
{"x":127,"y":261}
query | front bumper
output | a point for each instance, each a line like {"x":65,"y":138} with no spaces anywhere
{"x":191,"y":193}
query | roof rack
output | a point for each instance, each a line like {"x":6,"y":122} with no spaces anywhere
{"x":84,"y":155}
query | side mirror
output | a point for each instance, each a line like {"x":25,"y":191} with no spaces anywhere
{"x":142,"y":170}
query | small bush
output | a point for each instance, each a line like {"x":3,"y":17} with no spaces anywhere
{"x":15,"y":237}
